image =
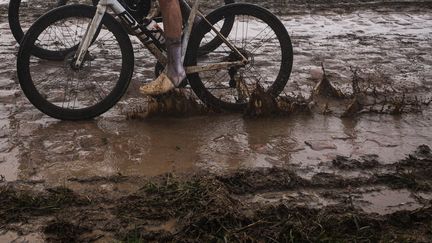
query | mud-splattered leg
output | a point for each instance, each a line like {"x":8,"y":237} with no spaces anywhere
{"x":174,"y":72}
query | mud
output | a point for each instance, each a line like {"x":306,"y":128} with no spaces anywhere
{"x":260,"y":204}
{"x":366,"y":162}
{"x":328,"y":169}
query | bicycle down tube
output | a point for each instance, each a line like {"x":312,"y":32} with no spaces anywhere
{"x":144,"y":35}
{"x":147,"y":38}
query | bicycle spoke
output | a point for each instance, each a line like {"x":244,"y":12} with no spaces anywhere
{"x":258,"y":42}
{"x":87,"y":85}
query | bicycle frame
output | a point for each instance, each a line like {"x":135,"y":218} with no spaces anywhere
{"x":146,"y":37}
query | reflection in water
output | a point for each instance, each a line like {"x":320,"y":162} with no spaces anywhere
{"x":112,"y":145}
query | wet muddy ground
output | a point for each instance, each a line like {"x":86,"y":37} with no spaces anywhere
{"x":230,"y":177}
{"x":369,"y":202}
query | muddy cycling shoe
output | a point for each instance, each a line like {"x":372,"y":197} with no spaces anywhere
{"x":174,"y":73}
{"x":159,"y":86}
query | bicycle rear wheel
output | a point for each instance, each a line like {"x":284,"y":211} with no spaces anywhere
{"x":260,"y":37}
{"x":23,"y":13}
{"x":58,"y":88}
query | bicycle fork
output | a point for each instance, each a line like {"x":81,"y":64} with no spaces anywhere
{"x":90,"y":33}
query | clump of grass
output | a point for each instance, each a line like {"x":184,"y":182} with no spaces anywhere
{"x":332,"y":224}
{"x":172,"y":197}
{"x":203,"y":204}
{"x":245,"y":181}
{"x":60,"y":230}
{"x":404,"y":179}
{"x":17,"y":205}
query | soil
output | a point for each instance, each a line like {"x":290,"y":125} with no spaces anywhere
{"x":340,"y":157}
{"x":274,"y":204}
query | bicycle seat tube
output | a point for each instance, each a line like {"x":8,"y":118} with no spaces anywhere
{"x":185,"y":9}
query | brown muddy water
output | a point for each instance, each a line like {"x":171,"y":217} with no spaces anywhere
{"x":54,"y":151}
{"x":309,"y":162}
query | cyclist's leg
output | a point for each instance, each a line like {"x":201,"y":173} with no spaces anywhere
{"x":172,"y":18}
{"x":174,"y":72}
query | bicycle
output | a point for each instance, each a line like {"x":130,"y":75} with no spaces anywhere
{"x":74,"y":89}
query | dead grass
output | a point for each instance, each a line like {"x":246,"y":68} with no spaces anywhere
{"x":209,"y":208}
{"x":17,"y":205}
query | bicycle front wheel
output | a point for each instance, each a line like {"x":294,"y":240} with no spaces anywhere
{"x":260,"y":37}
{"x":58,"y":88}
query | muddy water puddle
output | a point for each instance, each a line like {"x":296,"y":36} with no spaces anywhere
{"x":57,"y":151}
